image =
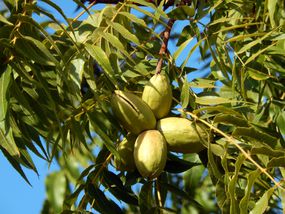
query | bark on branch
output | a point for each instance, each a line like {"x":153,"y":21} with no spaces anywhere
{"x":163,"y":48}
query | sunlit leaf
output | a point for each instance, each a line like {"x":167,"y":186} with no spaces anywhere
{"x":257,"y":75}
{"x":124,"y":32}
{"x":271,"y":5}
{"x":185,"y":94}
{"x":4,"y":20}
{"x":213,"y":100}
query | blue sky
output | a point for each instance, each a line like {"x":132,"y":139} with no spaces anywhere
{"x":16,"y":195}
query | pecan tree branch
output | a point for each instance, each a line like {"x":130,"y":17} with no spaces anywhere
{"x":166,"y":5}
{"x":163,"y":48}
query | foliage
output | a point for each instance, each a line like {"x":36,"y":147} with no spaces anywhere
{"x":56,"y":80}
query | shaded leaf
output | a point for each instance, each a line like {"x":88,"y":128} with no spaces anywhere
{"x":268,"y":151}
{"x":37,"y":50}
{"x":185,"y":35}
{"x":6,"y":136}
{"x":256,"y":135}
{"x":146,"y":198}
{"x":100,"y":202}
{"x":16,"y":165}
{"x":182,"y":12}
{"x":178,"y":191}
{"x":177,"y":165}
{"x":107,"y":141}
{"x":230,"y":119}
{"x":276,"y":162}
{"x":114,"y":184}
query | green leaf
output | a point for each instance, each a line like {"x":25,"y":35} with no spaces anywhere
{"x":213,"y":165}
{"x":100,"y":202}
{"x":258,"y":53}
{"x":263,"y":203}
{"x":219,"y":108}
{"x":251,"y":177}
{"x":146,"y":198}
{"x":185,"y":94}
{"x":181,"y":48}
{"x":107,"y":141}
{"x":16,"y":165}
{"x":41,"y":48}
{"x":6,"y":135}
{"x":114,"y":184}
{"x":157,"y":9}
{"x":213,"y":100}
{"x":230,"y":119}
{"x":75,"y":73}
{"x":35,"y":50}
{"x":182,"y":12}
{"x":4,"y":20}
{"x":116,"y":43}
{"x":25,"y":158}
{"x":56,"y":188}
{"x":222,"y":200}
{"x":233,"y":183}
{"x":72,"y":198}
{"x":133,"y":18}
{"x":268,"y":151}
{"x":5,"y":82}
{"x":271,"y":6}
{"x":255,"y":135}
{"x":185,"y":35}
{"x":253,"y":43}
{"x":281,"y":121}
{"x":257,"y":75}
{"x":202,"y":83}
{"x":101,"y":58}
{"x":276,"y":162}
{"x":177,"y":165}
{"x":178,"y":191}
{"x":163,"y":178}
{"x":124,"y":32}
